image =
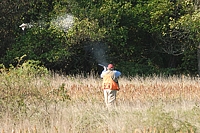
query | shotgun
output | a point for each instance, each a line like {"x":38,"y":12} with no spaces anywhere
{"x":101,"y":65}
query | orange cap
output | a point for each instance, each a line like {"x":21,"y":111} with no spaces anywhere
{"x":110,"y":66}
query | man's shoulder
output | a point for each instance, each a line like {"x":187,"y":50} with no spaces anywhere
{"x":108,"y":72}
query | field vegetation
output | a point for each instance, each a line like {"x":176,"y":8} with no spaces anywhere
{"x":33,"y":99}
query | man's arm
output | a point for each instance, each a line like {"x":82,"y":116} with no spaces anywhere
{"x":117,"y":73}
{"x":102,"y":73}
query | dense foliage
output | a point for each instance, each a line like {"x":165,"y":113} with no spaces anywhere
{"x":138,"y":36}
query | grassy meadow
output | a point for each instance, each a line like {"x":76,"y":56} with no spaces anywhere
{"x":34,"y":101}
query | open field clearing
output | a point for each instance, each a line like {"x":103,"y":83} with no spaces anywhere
{"x":56,"y":103}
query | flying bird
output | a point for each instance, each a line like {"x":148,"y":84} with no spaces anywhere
{"x":23,"y":26}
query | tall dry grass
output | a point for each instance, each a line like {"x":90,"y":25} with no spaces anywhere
{"x":50,"y":103}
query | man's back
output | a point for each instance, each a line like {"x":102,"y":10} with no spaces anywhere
{"x":110,"y":81}
{"x":110,"y":84}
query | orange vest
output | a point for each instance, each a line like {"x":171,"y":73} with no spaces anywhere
{"x":109,"y":83}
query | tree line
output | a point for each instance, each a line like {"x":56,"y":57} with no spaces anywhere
{"x":137,"y":36}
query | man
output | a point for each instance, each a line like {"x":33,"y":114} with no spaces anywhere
{"x":110,"y":84}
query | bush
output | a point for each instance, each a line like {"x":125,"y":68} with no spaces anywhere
{"x":27,"y":84}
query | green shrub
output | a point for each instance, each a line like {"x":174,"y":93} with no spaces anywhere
{"x":25,"y":85}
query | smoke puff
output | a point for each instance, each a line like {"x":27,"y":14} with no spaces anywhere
{"x":99,"y":52}
{"x":63,"y":22}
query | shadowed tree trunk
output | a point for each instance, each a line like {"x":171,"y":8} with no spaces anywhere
{"x":198,"y":58}
{"x":197,"y":7}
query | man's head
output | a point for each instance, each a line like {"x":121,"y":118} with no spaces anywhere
{"x":110,"y":67}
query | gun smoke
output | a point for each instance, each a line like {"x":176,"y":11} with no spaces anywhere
{"x":63,"y":22}
{"x":99,"y":52}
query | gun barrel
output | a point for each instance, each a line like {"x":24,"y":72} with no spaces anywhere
{"x":101,"y":65}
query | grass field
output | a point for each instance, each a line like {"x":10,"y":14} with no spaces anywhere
{"x":53,"y":103}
